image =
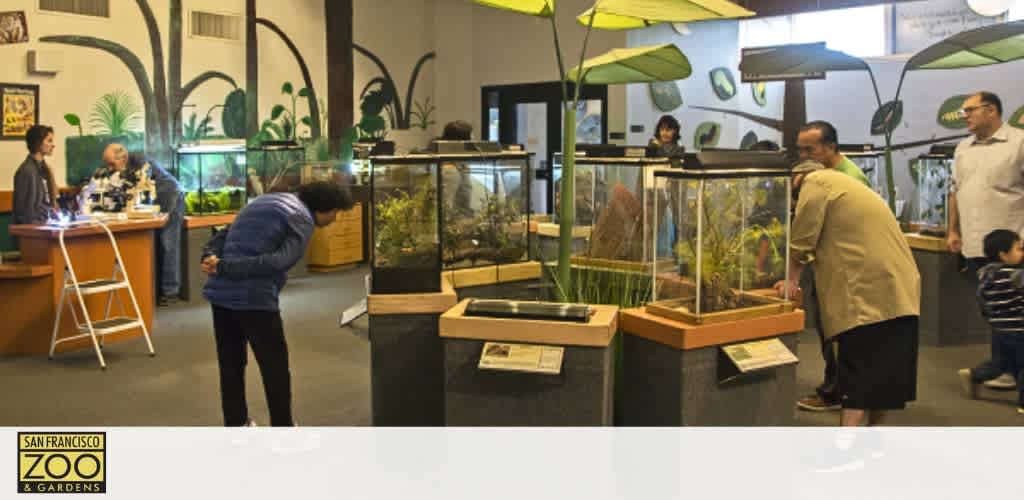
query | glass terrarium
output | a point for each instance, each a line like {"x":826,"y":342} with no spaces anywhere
{"x":932,"y":172}
{"x":485,"y":206}
{"x":213,"y":178}
{"x":406,"y":228}
{"x":872,"y":163}
{"x":614,"y":209}
{"x":274,"y":166}
{"x":729,"y":242}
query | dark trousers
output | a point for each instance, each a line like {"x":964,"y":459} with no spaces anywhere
{"x":996,"y":360}
{"x":263,"y":330}
{"x":828,"y":391}
{"x":1011,"y":354}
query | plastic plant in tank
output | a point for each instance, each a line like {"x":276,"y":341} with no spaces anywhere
{"x":400,"y":225}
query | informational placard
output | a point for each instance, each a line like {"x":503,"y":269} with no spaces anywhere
{"x":757,"y":355}
{"x":521,"y":358}
{"x":917,"y":25}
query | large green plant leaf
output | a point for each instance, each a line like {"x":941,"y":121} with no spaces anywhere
{"x":993,"y":44}
{"x":655,"y":63}
{"x":748,"y":140}
{"x":115,"y":113}
{"x":949,"y":113}
{"x":286,"y":88}
{"x":633,"y":14}
{"x":887,"y":118}
{"x":539,"y":8}
{"x":665,"y":95}
{"x":760,"y":93}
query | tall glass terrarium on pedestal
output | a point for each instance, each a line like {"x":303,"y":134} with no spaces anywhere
{"x":213,"y":178}
{"x":872,"y":163}
{"x":484,"y":209}
{"x":406,"y":249}
{"x":730,"y":242}
{"x":932,"y":171}
{"x":614,"y":209}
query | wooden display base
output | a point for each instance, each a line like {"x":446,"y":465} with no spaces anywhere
{"x":579,"y":392}
{"x":676,"y":309}
{"x":331,"y":269}
{"x":624,"y":265}
{"x":552,"y":230}
{"x":927,"y":243}
{"x":413,"y":303}
{"x":491,"y":275}
{"x":684,"y":360}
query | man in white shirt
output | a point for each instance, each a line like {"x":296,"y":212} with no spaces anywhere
{"x":987,"y":192}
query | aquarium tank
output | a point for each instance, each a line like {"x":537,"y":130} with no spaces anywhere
{"x":274,"y":166}
{"x":729,"y":242}
{"x":406,"y":250}
{"x":213,"y":178}
{"x":485,"y":206}
{"x":614,"y":204}
{"x":932,"y":173}
{"x":871,"y":162}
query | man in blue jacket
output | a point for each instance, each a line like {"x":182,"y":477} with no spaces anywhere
{"x":248,"y":264}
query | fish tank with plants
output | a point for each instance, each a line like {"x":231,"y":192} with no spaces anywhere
{"x":871,"y":162}
{"x":931,"y":172}
{"x":614,"y":202}
{"x":406,"y":234}
{"x":729,"y":238}
{"x":274,"y":166}
{"x":213,"y":178}
{"x":485,"y":207}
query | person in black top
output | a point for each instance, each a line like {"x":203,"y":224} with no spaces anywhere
{"x":1001,"y":298}
{"x":666,"y":138}
{"x":35,"y":191}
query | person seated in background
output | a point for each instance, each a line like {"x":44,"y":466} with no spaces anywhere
{"x":458,"y":185}
{"x":35,"y":190}
{"x":126,"y":170}
{"x":1001,"y":297}
{"x":666,"y":138}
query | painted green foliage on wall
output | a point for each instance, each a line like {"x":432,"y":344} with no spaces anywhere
{"x":399,"y":113}
{"x":162,"y":94}
{"x":887,"y":118}
{"x":760,"y":93}
{"x":666,"y":95}
{"x":707,"y":135}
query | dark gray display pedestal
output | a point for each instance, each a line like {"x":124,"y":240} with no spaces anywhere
{"x":949,"y":309}
{"x":195,"y":233}
{"x":406,"y":360}
{"x":672,"y":373}
{"x":579,"y":395}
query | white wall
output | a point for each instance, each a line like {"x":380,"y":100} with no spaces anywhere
{"x":708,"y":46}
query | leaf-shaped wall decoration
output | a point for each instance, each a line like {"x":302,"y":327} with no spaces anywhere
{"x":666,"y":95}
{"x":707,"y":135}
{"x":887,"y":118}
{"x":1017,"y":119}
{"x":748,"y":140}
{"x":723,"y":83}
{"x":760,"y":91}
{"x":949,"y":113}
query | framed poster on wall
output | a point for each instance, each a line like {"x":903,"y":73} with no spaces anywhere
{"x":20,"y":110}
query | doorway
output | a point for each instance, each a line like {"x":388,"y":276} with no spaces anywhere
{"x":531,"y":114}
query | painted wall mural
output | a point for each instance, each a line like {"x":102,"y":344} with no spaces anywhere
{"x":949,"y":113}
{"x":759,"y":91}
{"x":707,"y":135}
{"x":1017,"y":118}
{"x":666,"y":95}
{"x":399,"y":113}
{"x":723,"y":83}
{"x":887,"y":118}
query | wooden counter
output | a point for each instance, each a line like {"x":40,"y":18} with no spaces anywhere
{"x":198,"y":221}
{"x":926,"y":243}
{"x":32,"y":305}
{"x":684,"y":336}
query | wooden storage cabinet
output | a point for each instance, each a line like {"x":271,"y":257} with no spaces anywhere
{"x":338,"y":244}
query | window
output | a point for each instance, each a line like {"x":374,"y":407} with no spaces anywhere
{"x":95,"y":8}
{"x":860,"y":32}
{"x":219,"y":26}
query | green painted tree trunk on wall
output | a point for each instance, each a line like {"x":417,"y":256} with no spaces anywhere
{"x":314,"y":105}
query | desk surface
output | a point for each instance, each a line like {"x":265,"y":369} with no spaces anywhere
{"x":198,"y":221}
{"x":21,"y":271}
{"x":50,"y":232}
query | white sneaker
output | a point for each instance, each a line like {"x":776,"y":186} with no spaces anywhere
{"x":967,"y":384}
{"x":1004,"y":382}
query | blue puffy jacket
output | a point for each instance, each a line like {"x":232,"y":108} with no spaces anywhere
{"x":267,"y":238}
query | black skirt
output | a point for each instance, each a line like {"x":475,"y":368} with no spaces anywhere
{"x":878,"y":365}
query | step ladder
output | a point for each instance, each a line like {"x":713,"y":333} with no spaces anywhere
{"x":74,"y":289}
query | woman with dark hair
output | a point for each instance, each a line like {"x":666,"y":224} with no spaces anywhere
{"x":666,"y":138}
{"x":35,"y":191}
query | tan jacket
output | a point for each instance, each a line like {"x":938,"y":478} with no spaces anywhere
{"x":864,"y":271}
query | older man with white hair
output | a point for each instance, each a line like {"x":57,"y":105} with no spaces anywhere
{"x":169,"y":197}
{"x":869,"y":290}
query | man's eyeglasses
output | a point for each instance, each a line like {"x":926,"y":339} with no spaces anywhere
{"x":970,"y":109}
